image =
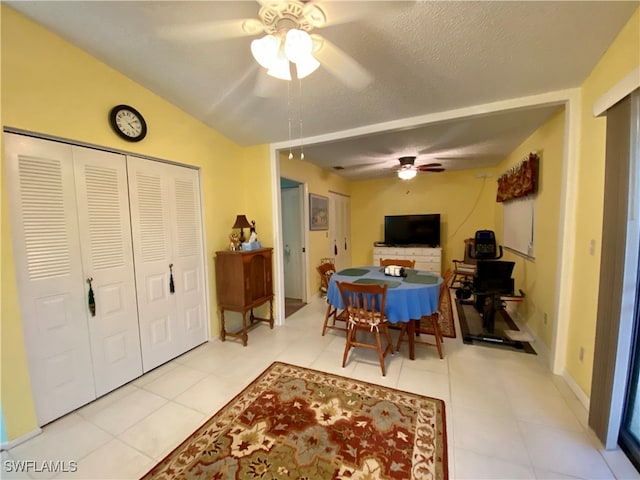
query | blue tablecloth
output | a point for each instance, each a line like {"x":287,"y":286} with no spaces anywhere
{"x":409,"y":300}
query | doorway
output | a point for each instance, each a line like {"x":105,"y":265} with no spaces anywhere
{"x":292,"y":214}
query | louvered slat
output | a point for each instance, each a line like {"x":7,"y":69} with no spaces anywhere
{"x":152,"y":228}
{"x":187,"y":220}
{"x":44,"y":219}
{"x":103,"y":206}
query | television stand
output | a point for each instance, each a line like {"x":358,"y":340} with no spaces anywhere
{"x":426,"y":258}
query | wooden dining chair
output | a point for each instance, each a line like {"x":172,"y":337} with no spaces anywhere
{"x":430,"y":324}
{"x":325,"y":270}
{"x":397,"y":261}
{"x":364,"y":305}
{"x":466,"y":269}
{"x":333,"y":315}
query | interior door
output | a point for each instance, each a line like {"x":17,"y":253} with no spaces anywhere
{"x":107,"y":258}
{"x":292,"y":241}
{"x":46,"y":245}
{"x":169,"y":265}
{"x":340,"y":229}
{"x":188,"y":257}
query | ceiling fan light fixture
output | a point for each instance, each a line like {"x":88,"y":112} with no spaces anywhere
{"x":297,"y":45}
{"x":279,"y":67}
{"x":265,"y":50}
{"x":406,"y":173}
{"x":306,"y":67}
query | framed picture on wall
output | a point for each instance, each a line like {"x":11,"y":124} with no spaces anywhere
{"x":318,"y":212}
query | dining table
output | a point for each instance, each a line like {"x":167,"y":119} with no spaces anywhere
{"x":411,"y":296}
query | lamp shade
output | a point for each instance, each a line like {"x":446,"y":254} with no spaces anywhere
{"x":279,"y":68}
{"x":297,"y":45}
{"x":265,"y":50}
{"x":307,"y":66}
{"x":241,"y":222}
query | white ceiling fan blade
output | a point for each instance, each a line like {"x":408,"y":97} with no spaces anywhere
{"x":359,"y":166}
{"x":340,"y":65}
{"x":338,"y":12}
{"x":208,"y":31}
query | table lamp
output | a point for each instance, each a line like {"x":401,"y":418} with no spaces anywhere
{"x":241,"y":223}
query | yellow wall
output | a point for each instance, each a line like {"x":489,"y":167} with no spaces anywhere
{"x":44,"y":79}
{"x":538,"y":279}
{"x":320,"y":182}
{"x":620,"y":59}
{"x":465,"y":204}
{"x":51,"y":87}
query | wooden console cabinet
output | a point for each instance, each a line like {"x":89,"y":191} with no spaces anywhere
{"x":243,"y":282}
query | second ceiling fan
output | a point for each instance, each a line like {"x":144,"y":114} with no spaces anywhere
{"x":408,"y":169}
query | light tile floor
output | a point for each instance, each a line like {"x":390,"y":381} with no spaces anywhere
{"x":507,"y":416}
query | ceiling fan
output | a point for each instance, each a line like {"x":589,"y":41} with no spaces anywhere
{"x":408,"y":169}
{"x":288,"y":49}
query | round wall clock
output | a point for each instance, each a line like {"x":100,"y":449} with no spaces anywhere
{"x":128,"y":123}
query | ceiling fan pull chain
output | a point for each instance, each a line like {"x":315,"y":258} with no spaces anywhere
{"x":289,"y":116}
{"x":300,"y":113}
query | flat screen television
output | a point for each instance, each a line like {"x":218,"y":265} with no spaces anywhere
{"x":421,"y":230}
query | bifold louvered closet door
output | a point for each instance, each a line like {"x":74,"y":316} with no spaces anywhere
{"x":169,"y":261}
{"x":74,"y":257}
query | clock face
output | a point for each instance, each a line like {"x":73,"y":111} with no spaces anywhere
{"x":128,"y":123}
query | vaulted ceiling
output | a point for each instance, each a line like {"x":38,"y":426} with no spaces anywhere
{"x":402,"y":61}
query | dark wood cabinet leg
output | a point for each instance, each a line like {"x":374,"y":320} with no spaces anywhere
{"x":271,"y":313}
{"x":223,"y":333}
{"x":245,"y":337}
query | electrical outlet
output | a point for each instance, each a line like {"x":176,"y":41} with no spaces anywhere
{"x":592,"y":247}
{"x":581,"y":354}
{"x":545,"y":318}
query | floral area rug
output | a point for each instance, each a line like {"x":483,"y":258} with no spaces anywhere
{"x":296,"y":423}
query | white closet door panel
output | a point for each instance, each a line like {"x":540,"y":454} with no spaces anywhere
{"x":161,"y":334}
{"x":339,"y":229}
{"x":107,"y":257}
{"x":188,"y":264}
{"x":49,"y":271}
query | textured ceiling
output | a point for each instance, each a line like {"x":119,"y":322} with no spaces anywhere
{"x":423,"y":58}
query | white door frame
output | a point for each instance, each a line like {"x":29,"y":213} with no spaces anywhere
{"x":278,"y":245}
{"x":303,"y":244}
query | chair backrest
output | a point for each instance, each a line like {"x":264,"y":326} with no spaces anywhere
{"x":447,"y":277}
{"x":363,"y":302}
{"x":325,"y":270}
{"x":400,"y":262}
{"x":469,"y":251}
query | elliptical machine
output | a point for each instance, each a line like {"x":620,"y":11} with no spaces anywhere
{"x":491,"y":286}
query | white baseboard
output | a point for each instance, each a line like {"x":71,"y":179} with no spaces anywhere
{"x":577,"y":391}
{"x":14,"y":443}
{"x":542,"y":349}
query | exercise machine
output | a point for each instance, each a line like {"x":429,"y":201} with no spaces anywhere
{"x":491,"y":287}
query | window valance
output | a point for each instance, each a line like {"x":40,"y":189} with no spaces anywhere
{"x":520,"y":181}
